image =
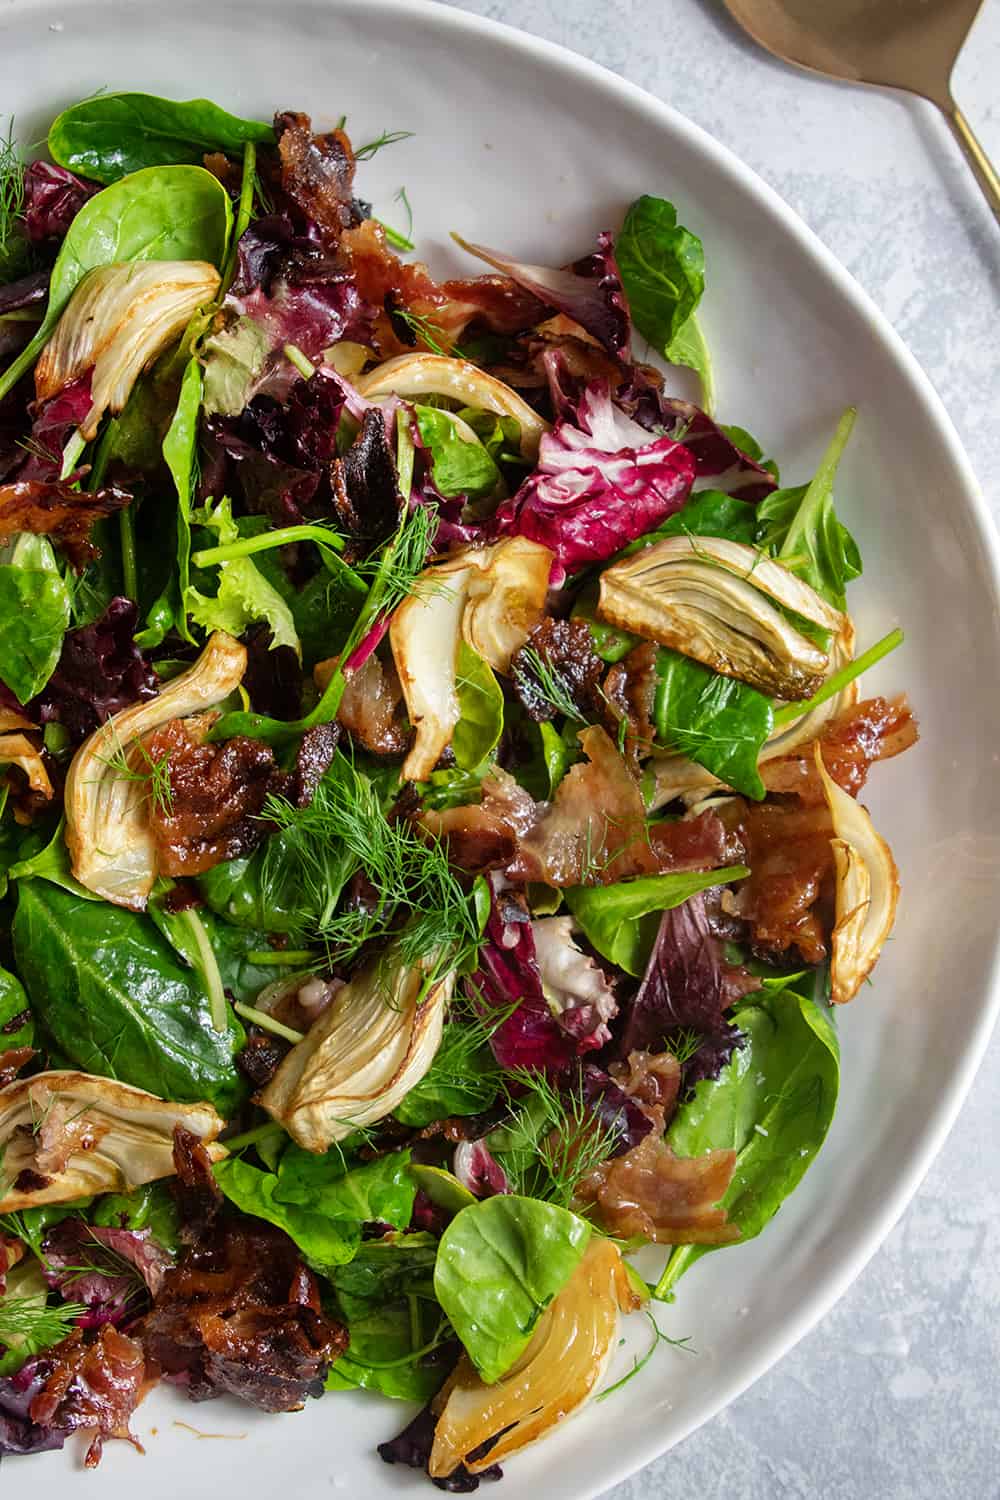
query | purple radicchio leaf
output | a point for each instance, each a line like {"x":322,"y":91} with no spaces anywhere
{"x":613,"y":1109}
{"x":508,"y":974}
{"x":109,"y":1270}
{"x":589,"y":291}
{"x":51,"y":427}
{"x":601,"y":481}
{"x":294,"y":291}
{"x":687,"y":987}
{"x":413,"y":1445}
{"x":100,"y":670}
{"x":477,"y":1169}
{"x":715,"y":455}
{"x":576,"y":989}
{"x":18,"y":1433}
{"x":30,"y":291}
{"x":52,"y":199}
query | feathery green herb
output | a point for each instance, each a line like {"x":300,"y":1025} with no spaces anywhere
{"x":387,"y":138}
{"x":554,"y":1140}
{"x":541,"y":679}
{"x":32,"y":1322}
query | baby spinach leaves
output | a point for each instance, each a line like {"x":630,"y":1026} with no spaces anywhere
{"x":800,"y":526}
{"x":34,"y":614}
{"x":17,"y":1028}
{"x":621,"y":921}
{"x":324,"y":1242}
{"x":662,"y":268}
{"x":719,"y":722}
{"x":461,"y":464}
{"x":499,"y":1265}
{"x":110,"y":135}
{"x":160,"y":213}
{"x":772,"y":1105}
{"x":481,"y":705}
{"x":111,"y":994}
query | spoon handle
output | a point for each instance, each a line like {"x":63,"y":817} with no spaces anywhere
{"x":983,"y":169}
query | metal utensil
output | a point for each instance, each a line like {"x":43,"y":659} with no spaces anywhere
{"x":907,"y":44}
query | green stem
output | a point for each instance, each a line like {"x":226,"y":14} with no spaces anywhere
{"x":252,"y":1137}
{"x":244,"y":214}
{"x":268,"y":1023}
{"x":295,"y":357}
{"x":72,"y":453}
{"x":836,"y":684}
{"x":672,"y":1272}
{"x":396,"y":240}
{"x":283,"y":958}
{"x":248,"y":545}
{"x":130,"y":572}
{"x":208,"y":964}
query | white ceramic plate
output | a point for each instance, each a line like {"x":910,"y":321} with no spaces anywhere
{"x":524,"y":146}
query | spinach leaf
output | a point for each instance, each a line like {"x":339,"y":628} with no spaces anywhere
{"x":160,"y":213}
{"x":718,"y":721}
{"x":459,"y":466}
{"x":260,"y":892}
{"x":621,"y":921}
{"x":708,"y":513}
{"x":51,"y":862}
{"x":150,"y":1207}
{"x":388,"y":1350}
{"x":500,"y":436}
{"x":108,"y":990}
{"x":480,"y":701}
{"x":227,"y":964}
{"x":17,"y":1026}
{"x":800,"y":527}
{"x":325,"y":609}
{"x":385,"y":1269}
{"x":34,"y":614}
{"x":463,"y":1079}
{"x":662,"y":267}
{"x":110,"y":135}
{"x":381,"y":1191}
{"x":324,"y":1242}
{"x":499,"y":1265}
{"x":772,"y":1105}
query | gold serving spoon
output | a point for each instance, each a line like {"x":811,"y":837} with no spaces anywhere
{"x":907,"y":44}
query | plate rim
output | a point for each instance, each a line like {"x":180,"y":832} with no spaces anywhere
{"x":665,"y":117}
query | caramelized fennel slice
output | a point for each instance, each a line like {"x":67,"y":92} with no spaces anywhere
{"x":867,"y":890}
{"x":440,"y":375}
{"x":77,"y":1134}
{"x":710,"y":600}
{"x":554,"y":1377}
{"x":371,"y":1046}
{"x":111,"y":848}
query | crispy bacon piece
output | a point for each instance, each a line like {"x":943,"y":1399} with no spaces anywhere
{"x":317,"y":174}
{"x":448,"y":307}
{"x":371,"y":709}
{"x":241,"y":1315}
{"x":628,"y":698}
{"x":59,"y":511}
{"x":217,"y":792}
{"x":94,"y":1387}
{"x":594,"y":832}
{"x":566,"y":648}
{"x":875,"y":729}
{"x":788,"y":899}
{"x":648,"y":1191}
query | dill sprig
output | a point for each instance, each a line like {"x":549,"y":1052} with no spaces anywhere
{"x":30,"y":1321}
{"x":685,"y":1044}
{"x":641,"y":1361}
{"x":395,"y":571}
{"x":134,"y":763}
{"x":421,"y":903}
{"x":11,"y":199}
{"x":541,"y":679}
{"x":429,"y":333}
{"x":387,"y":138}
{"x":555,"y":1139}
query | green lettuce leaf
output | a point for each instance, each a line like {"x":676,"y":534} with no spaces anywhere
{"x":621,"y":921}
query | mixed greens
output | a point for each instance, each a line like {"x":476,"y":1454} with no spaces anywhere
{"x":429,"y":839}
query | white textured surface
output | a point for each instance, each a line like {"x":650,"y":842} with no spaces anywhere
{"x":896,"y":1396}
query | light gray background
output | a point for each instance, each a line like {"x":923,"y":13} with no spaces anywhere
{"x":896,"y":1396}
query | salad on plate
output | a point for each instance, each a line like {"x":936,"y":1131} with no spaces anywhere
{"x":431,"y":855}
